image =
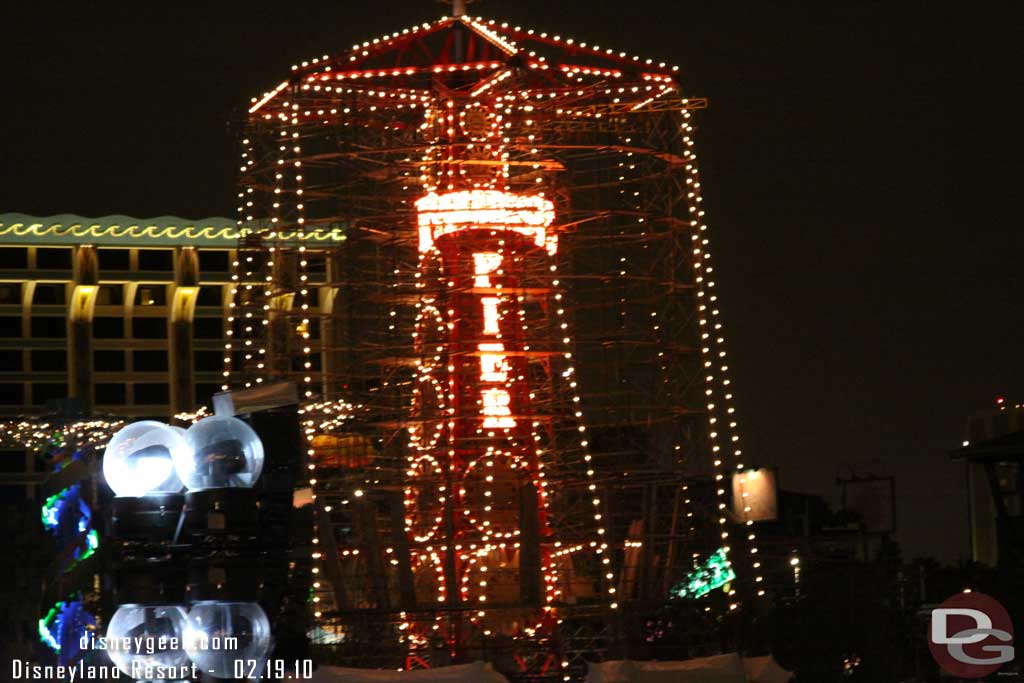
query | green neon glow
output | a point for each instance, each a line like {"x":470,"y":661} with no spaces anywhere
{"x":50,"y":513}
{"x":49,"y":510}
{"x":715,"y":573}
{"x":44,"y":627}
{"x":122,"y":230}
{"x":93,"y":541}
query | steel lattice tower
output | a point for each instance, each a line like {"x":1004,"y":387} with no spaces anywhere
{"x":514,"y":363}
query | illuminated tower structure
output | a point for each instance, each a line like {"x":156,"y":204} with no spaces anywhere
{"x":475,"y":478}
{"x":514,"y":361}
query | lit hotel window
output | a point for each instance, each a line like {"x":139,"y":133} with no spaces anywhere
{"x":151,"y":296}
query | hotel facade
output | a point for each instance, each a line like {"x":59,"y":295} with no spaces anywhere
{"x":121,"y":315}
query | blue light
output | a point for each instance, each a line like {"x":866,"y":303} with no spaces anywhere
{"x":63,"y":627}
{"x":66,"y":516}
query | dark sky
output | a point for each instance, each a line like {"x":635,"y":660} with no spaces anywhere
{"x":871,"y":302}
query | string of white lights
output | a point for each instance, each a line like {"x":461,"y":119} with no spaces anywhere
{"x":713,"y":352}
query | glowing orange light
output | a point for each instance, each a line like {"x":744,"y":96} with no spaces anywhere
{"x":493,"y":367}
{"x":491,"y":317}
{"x":441,"y":214}
{"x":496,"y":410}
{"x":484,"y":264}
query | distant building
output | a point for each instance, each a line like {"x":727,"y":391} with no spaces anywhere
{"x":126,"y":316}
{"x":993,"y":451}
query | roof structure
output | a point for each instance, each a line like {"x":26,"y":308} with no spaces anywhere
{"x":125,"y":231}
{"x":1006,"y":447}
{"x":471,"y":55}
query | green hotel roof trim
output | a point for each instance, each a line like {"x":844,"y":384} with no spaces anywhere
{"x":124,"y":231}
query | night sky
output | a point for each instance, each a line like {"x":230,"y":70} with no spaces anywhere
{"x":869,"y":307}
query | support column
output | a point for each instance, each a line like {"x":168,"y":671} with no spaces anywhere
{"x":181,"y":359}
{"x":330,"y":334}
{"x":85,"y":285}
{"x":335,"y":332}
{"x":531,"y":582}
{"x":281,"y":331}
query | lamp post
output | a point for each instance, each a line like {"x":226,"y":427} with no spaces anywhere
{"x":223,"y":461}
{"x":147,"y":636}
{"x":162,"y":534}
{"x":139,"y":466}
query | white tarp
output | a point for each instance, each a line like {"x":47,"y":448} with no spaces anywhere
{"x":730,"y":668}
{"x":477,"y":672}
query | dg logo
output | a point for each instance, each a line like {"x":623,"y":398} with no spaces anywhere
{"x":971,"y":635}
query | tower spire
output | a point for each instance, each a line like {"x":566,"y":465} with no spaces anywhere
{"x":458,"y":8}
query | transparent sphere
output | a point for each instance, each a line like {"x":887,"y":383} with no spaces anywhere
{"x":220,"y":633}
{"x":223,"y":452}
{"x":141,"y":636}
{"x":141,"y":458}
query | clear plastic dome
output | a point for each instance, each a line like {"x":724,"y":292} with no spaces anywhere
{"x":223,"y":452}
{"x":141,"y":458}
{"x":151,"y":631}
{"x":212,"y":625}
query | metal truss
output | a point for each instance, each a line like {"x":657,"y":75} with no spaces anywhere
{"x":343,"y":143}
